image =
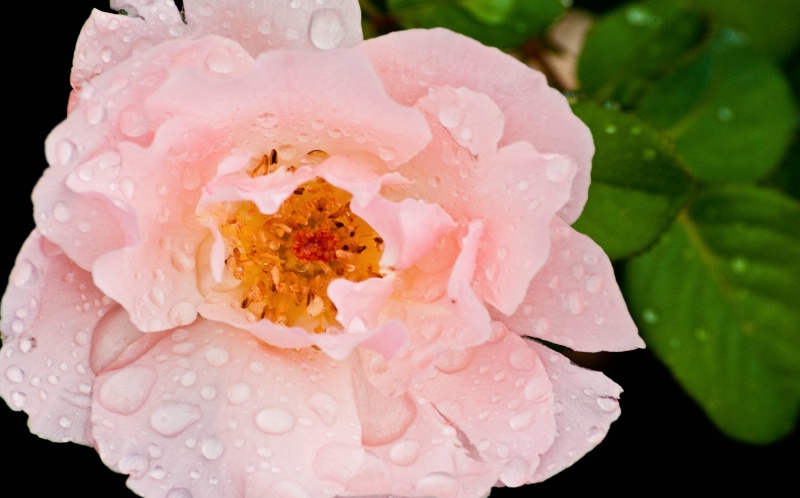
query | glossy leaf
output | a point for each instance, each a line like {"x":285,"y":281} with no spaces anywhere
{"x":501,"y":23}
{"x":718,"y":300}
{"x":638,"y":184}
{"x":771,"y":28}
{"x":731,"y":114}
{"x":636,"y":44}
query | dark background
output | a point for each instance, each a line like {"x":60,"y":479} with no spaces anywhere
{"x":662,"y":442}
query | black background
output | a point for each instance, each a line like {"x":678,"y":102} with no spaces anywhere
{"x":662,"y":441}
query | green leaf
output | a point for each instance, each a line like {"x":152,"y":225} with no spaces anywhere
{"x":731,"y":114}
{"x":636,"y":44}
{"x":501,"y":23}
{"x":718,"y":300}
{"x":771,"y":28}
{"x":638,"y":184}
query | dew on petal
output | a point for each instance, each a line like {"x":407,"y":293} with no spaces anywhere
{"x":326,"y":29}
{"x":172,"y":419}
{"x":274,"y":421}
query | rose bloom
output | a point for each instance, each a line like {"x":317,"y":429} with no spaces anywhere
{"x":272,"y":259}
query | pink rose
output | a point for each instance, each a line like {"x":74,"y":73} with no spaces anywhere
{"x":272,"y":259}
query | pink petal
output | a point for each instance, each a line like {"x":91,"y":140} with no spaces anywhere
{"x":516,"y":190}
{"x":108,"y":39}
{"x":49,"y":313}
{"x":499,"y":396}
{"x":210,"y":411}
{"x":262,"y":26}
{"x":413,"y":61}
{"x":586,"y":402}
{"x":575,"y":300}
{"x":440,"y":312}
{"x":361,"y":301}
{"x":411,"y":450}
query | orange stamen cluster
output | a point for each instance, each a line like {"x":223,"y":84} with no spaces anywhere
{"x":286,"y":260}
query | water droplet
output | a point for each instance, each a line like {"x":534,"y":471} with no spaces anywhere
{"x":182,"y":314}
{"x":649,"y":316}
{"x":326,"y":29}
{"x":212,"y":448}
{"x":18,"y":399}
{"x":134,"y":464}
{"x":594,"y":284}
{"x":208,"y":393}
{"x":61,"y":212}
{"x":220,"y":61}
{"x":95,"y":113}
{"x":439,"y":484}
{"x":724,"y":114}
{"x":289,"y":489}
{"x":15,"y":374}
{"x":287,"y":152}
{"x":274,"y":420}
{"x":523,"y":185}
{"x":455,"y":360}
{"x":27,"y":344}
{"x":157,"y":296}
{"x":739,"y":265}
{"x":386,"y":153}
{"x":521,"y":421}
{"x":558,"y":169}
{"x":65,"y":151}
{"x":540,"y":326}
{"x":124,"y":391}
{"x":172,"y":419}
{"x":239,"y":393}
{"x":596,"y":434}
{"x":188,"y":378}
{"x":217,"y":357}
{"x":522,"y":358}
{"x":133,"y":121}
{"x":265,"y":26}
{"x":515,"y":472}
{"x":325,"y":406}
{"x":24,"y":274}
{"x":179,"y":493}
{"x":608,"y":403}
{"x":405,"y":452}
{"x":573,"y":303}
{"x":451,"y":115}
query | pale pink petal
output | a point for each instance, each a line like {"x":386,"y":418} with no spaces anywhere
{"x":534,"y":113}
{"x":440,"y":312}
{"x":586,"y":402}
{"x":297,"y":102}
{"x":211,"y":411}
{"x":361,"y":301}
{"x":411,"y":450}
{"x":108,"y":39}
{"x":264,"y":25}
{"x":49,"y":313}
{"x":499,"y":396}
{"x":575,"y":300}
{"x":516,"y":190}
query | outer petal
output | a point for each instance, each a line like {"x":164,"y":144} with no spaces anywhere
{"x":108,"y":39}
{"x":264,"y":25}
{"x":211,"y":412}
{"x":412,"y":451}
{"x":516,"y":189}
{"x":574,"y":300}
{"x":499,"y":396}
{"x":586,"y":402}
{"x":413,"y":61}
{"x":49,"y":311}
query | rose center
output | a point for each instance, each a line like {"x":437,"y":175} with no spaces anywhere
{"x":286,"y":260}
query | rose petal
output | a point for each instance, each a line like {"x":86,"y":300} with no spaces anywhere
{"x":534,"y":112}
{"x":262,"y":26}
{"x":516,"y":190}
{"x":586,"y":402}
{"x":412,"y":450}
{"x":209,"y":395}
{"x":575,"y":300}
{"x":49,"y":313}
